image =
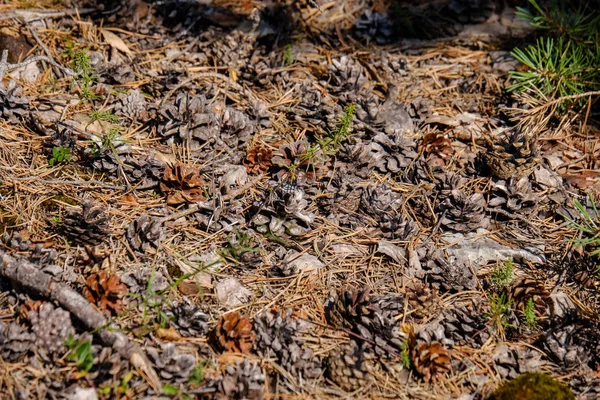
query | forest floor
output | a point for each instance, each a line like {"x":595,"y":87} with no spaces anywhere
{"x":298,"y":200}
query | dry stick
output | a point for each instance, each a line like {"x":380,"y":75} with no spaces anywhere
{"x":28,"y":15}
{"x":42,"y":45}
{"x":30,"y":276}
{"x":5,"y":66}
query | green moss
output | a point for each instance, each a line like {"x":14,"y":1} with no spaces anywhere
{"x":533,"y":386}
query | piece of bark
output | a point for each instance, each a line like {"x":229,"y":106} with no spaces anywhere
{"x":29,"y":276}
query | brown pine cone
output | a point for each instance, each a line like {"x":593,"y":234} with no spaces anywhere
{"x":431,"y":361}
{"x":514,"y":156}
{"x":182,"y":184}
{"x":234,"y":333}
{"x":89,"y":226}
{"x":524,"y":289}
{"x":258,"y":160}
{"x":105,"y":291}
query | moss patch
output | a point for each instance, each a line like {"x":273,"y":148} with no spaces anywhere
{"x":533,"y":386}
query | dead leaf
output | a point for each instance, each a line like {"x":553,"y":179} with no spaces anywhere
{"x":115,"y":41}
{"x":188,"y":288}
{"x":129,"y":199}
{"x":168,"y":334}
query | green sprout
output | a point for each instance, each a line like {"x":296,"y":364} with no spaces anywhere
{"x":288,"y":57}
{"x":500,"y":307}
{"x":107,"y":116}
{"x":81,"y":353}
{"x":529,"y":315}
{"x":502,"y":276}
{"x":589,"y":227}
{"x":59,"y":155}
{"x":239,"y":247}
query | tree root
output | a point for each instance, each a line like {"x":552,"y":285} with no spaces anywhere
{"x":30,"y":276}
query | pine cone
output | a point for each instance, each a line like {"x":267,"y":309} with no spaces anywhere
{"x":466,"y":325}
{"x":346,"y":74}
{"x":133,"y":106}
{"x":363,"y":315}
{"x":448,"y":274}
{"x":188,"y":320}
{"x":431,"y":360}
{"x":514,"y":197}
{"x":188,"y":120}
{"x":276,"y":336}
{"x":374,"y":27}
{"x":527,"y":288}
{"x":13,"y":106}
{"x":258,"y":160}
{"x":514,"y":156}
{"x":472,"y":11}
{"x":513,"y":361}
{"x":15,"y":341}
{"x":52,"y":327}
{"x":171,"y":363}
{"x":351,"y":368}
{"x":145,"y":233}
{"x":573,"y":341}
{"x":88,"y":227}
{"x":234,"y":333}
{"x":244,"y":381}
{"x":105,"y":292}
{"x":464,"y":213}
{"x":182,"y":184}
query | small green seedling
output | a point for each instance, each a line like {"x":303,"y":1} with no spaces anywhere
{"x":529,"y":315}
{"x":288,"y":58}
{"x":81,"y":353}
{"x":502,"y":276}
{"x":59,"y":155}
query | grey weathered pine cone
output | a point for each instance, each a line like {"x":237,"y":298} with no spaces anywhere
{"x":463,"y":213}
{"x":171,"y":363}
{"x":466,"y":325}
{"x":514,"y":196}
{"x":373,"y":26}
{"x":145,"y":233}
{"x":52,"y":327}
{"x":133,"y":105}
{"x":512,"y":361}
{"x":346,"y":74}
{"x":362,"y":314}
{"x":571,"y":342}
{"x":245,"y":380}
{"x":15,"y":341}
{"x":276,"y":336}
{"x":89,"y":226}
{"x":188,"y":319}
{"x":442,"y":273}
{"x":13,"y":105}
{"x":350,"y":367}
{"x":514,"y":155}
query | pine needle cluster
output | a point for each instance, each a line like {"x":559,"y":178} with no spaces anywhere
{"x":566,"y":61}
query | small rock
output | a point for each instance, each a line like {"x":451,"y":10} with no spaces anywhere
{"x":231,"y":292}
{"x":396,"y":253}
{"x":561,"y":305}
{"x":305,"y":263}
{"x":236,"y":176}
{"x":84,"y":394}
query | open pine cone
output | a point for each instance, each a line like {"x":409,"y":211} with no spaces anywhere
{"x":431,"y":360}
{"x":513,"y":156}
{"x":351,"y":367}
{"x":88,"y":227}
{"x":105,"y":291}
{"x":258,"y":160}
{"x":234,"y":333}
{"x":182,"y":184}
